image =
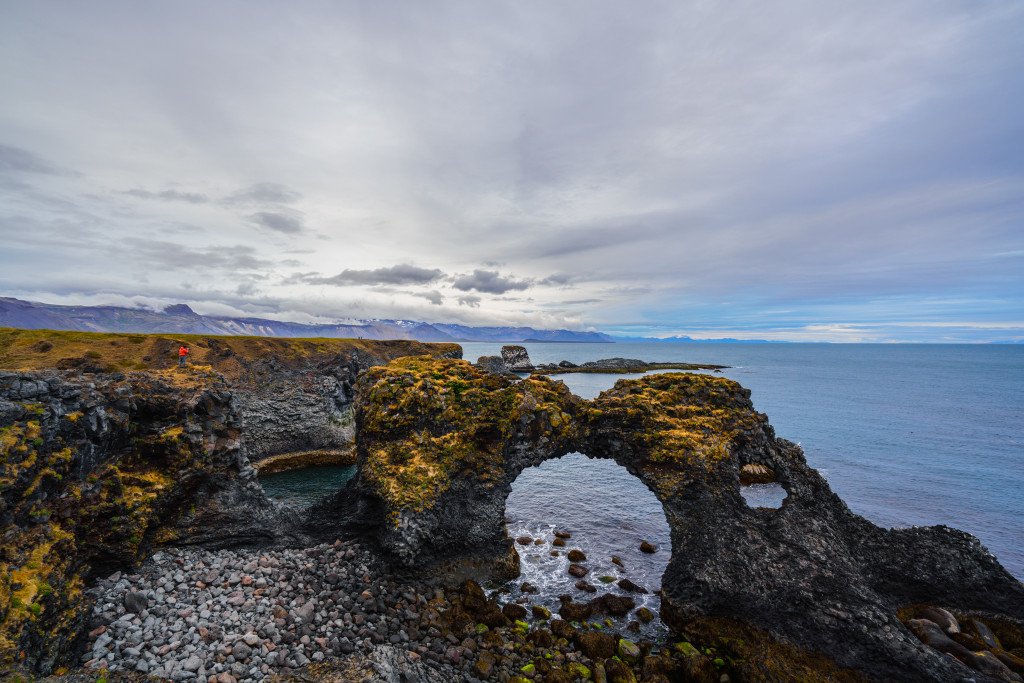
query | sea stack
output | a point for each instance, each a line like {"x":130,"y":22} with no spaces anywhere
{"x":516,"y":358}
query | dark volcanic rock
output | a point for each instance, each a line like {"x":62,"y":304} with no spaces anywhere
{"x":612,"y":605}
{"x":595,"y":644}
{"x":810,"y":572}
{"x":578,"y":570}
{"x":516,"y":358}
{"x":629,"y":586}
{"x":492,"y":365}
{"x":574,"y":611}
{"x":119,"y":462}
{"x":136,"y":602}
{"x":514,"y":611}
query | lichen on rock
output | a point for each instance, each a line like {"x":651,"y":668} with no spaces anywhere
{"x":441,"y":441}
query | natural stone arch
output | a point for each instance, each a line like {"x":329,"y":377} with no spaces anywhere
{"x":440,"y":442}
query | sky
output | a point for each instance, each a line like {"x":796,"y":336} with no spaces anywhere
{"x":804,"y":170}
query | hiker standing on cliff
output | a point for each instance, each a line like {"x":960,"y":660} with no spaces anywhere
{"x":182,"y":352}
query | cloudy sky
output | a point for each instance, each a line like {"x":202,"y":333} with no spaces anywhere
{"x":805,"y":170}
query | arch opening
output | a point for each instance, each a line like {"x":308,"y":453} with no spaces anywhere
{"x":766,"y":495}
{"x":607,"y":513}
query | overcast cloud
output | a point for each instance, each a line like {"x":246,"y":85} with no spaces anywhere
{"x":795,"y":170}
{"x":393,"y":275}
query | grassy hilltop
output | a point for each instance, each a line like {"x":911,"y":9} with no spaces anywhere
{"x":231,"y":356}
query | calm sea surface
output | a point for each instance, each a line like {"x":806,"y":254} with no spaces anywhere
{"x":905,"y":434}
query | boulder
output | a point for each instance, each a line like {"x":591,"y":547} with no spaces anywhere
{"x":574,"y":611}
{"x":630,"y":587}
{"x":541,"y":638}
{"x":628,"y":651}
{"x":576,"y":555}
{"x":618,"y":672}
{"x":484,"y":665}
{"x":578,"y":570}
{"x":136,"y":601}
{"x":930,"y":634}
{"x":514,"y":612}
{"x":943,"y":618}
{"x":612,"y":605}
{"x":595,"y":644}
{"x":563,"y":629}
{"x":516,"y":358}
{"x":492,"y":365}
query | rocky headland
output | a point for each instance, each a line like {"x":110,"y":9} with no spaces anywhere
{"x":515,"y":359}
{"x":137,"y":540}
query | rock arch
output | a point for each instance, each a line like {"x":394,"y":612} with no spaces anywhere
{"x":440,"y":443}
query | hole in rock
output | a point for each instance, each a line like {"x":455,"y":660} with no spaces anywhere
{"x":608,"y":513}
{"x":305,"y":486}
{"x":770,"y":495}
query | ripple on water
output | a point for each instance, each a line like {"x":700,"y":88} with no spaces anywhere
{"x":608,"y":511}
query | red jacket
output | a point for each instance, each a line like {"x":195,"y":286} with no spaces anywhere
{"x":182,"y":351}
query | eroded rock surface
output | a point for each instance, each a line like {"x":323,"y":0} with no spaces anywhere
{"x":98,"y":469}
{"x":516,"y":358}
{"x":440,"y":443}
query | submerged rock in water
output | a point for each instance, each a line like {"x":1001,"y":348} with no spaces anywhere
{"x":578,"y":570}
{"x":629,"y":586}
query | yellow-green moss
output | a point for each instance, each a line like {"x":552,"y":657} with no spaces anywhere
{"x":424,"y":421}
{"x":684,"y":424}
{"x":230,"y":356}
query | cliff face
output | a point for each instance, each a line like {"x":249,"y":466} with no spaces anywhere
{"x":440,"y":443}
{"x":98,"y":466}
{"x":292,"y":394}
{"x":95,"y":470}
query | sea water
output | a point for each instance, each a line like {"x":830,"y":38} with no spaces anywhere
{"x":905,"y":434}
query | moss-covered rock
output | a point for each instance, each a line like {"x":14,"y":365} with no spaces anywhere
{"x":440,"y":442}
{"x":94,"y":473}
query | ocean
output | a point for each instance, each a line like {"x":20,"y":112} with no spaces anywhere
{"x":907,"y":435}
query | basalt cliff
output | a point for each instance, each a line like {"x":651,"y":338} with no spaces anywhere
{"x":113,"y":454}
{"x":441,"y":441}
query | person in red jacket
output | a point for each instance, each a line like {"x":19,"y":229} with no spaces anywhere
{"x":182,"y":352}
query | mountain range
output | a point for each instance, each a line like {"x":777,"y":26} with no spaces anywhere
{"x":179,"y":318}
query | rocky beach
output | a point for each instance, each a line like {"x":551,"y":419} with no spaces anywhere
{"x":250,"y":615}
